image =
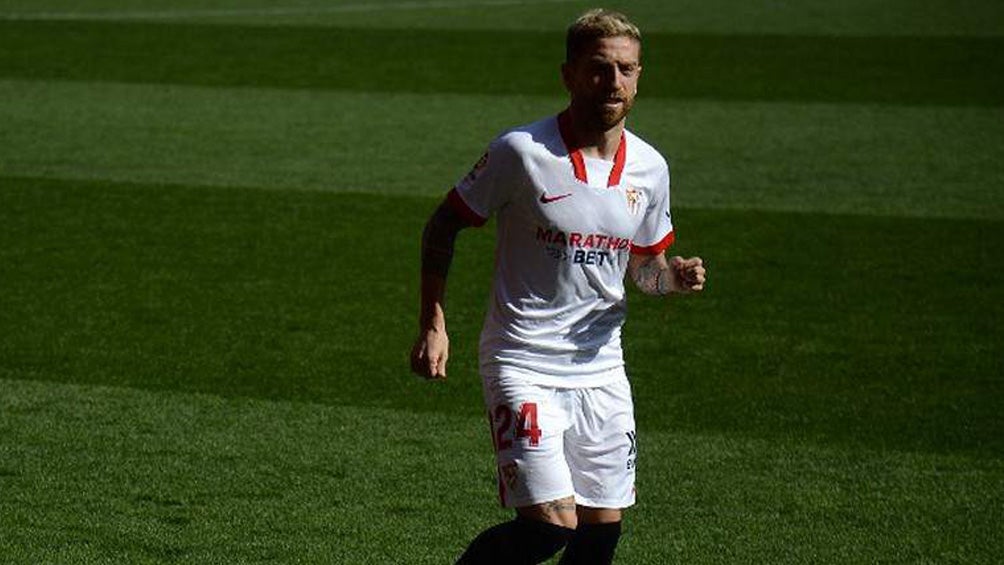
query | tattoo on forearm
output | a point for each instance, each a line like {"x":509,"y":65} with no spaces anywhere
{"x":652,"y":278}
{"x":436,"y":260}
{"x":438,"y":240}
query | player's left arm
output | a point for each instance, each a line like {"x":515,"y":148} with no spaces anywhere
{"x":657,"y":275}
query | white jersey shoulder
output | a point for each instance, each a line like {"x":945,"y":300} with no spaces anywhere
{"x":646,"y":158}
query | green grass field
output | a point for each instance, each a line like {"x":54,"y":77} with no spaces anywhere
{"x":209,"y":224}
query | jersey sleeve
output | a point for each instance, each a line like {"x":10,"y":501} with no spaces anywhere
{"x":656,"y":233}
{"x":488,"y":186}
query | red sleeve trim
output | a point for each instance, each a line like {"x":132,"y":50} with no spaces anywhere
{"x":655,"y":248}
{"x":472,"y":218}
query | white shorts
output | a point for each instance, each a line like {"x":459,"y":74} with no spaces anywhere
{"x":552,"y":443}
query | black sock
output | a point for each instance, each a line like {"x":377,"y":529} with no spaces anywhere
{"x":592,"y":544}
{"x":518,"y":542}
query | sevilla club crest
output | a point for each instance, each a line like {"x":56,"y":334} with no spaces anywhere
{"x":633,"y":197}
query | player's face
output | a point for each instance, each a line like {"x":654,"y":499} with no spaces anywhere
{"x":603,"y":80}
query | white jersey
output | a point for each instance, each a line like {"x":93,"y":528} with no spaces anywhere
{"x":566,"y":226}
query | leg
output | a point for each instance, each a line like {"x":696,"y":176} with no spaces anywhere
{"x":537,"y":533}
{"x":595,"y":539}
{"x":527,"y":423}
{"x":562,"y":512}
{"x":601,"y":449}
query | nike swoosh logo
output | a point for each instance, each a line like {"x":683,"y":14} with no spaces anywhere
{"x":545,"y":199}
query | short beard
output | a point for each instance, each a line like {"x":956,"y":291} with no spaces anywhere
{"x":603,"y":120}
{"x":611,"y":119}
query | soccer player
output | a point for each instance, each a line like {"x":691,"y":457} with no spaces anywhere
{"x":579,"y":201}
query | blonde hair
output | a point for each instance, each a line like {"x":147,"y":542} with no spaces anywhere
{"x":597,"y":24}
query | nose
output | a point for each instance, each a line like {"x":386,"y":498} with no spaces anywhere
{"x":612,"y":78}
{"x":619,"y":79}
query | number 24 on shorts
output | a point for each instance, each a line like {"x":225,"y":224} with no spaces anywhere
{"x":503,"y":431}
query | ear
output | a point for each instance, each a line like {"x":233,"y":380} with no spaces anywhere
{"x":566,"y":75}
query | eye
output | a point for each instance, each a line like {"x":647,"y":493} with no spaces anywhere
{"x":628,"y":69}
{"x":599,"y":67}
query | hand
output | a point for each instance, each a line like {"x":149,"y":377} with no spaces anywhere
{"x":688,"y":274}
{"x":429,"y":355}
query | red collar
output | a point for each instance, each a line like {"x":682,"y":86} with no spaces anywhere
{"x":579,"y":163}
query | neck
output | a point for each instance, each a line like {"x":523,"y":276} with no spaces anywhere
{"x":594,"y":141}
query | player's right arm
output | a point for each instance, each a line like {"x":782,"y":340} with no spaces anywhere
{"x":472,"y":200}
{"x":432,"y":348}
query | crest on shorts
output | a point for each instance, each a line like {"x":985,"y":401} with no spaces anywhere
{"x":509,"y":473}
{"x":633,"y":196}
{"x":632,"y":456}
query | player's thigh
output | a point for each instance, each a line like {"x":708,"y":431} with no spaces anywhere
{"x":601,"y":448}
{"x":527,"y":424}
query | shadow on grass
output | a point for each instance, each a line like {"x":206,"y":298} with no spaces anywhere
{"x":882,"y":331}
{"x":893,"y":70}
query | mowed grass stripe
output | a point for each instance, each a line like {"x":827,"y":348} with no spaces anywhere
{"x":96,"y":474}
{"x":104,"y":474}
{"x":804,"y":157}
{"x":808,"y":17}
{"x":843,"y":329}
{"x":895,"y":70}
{"x":225,"y":13}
